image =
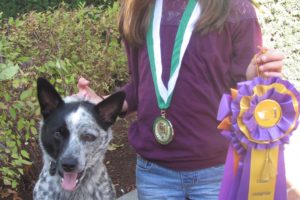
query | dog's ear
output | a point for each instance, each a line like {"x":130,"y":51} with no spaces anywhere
{"x":110,"y":108}
{"x":48,"y":97}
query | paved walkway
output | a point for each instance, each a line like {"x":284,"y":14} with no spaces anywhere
{"x":129,"y":196}
{"x":292,"y":160}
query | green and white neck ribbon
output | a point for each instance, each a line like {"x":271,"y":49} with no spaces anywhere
{"x":184,"y":33}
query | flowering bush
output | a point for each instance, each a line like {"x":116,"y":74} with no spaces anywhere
{"x":280,"y":21}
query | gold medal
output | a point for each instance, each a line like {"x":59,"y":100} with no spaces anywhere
{"x":163,"y":130}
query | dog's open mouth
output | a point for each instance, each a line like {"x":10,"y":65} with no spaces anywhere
{"x":70,"y":180}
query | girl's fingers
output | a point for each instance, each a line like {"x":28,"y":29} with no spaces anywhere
{"x":82,"y":83}
{"x":272,"y":74}
{"x":83,"y":86}
{"x":269,"y":56}
{"x":86,"y":93}
{"x":268,"y":62}
{"x":272,"y":66}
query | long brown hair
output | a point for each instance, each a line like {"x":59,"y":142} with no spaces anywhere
{"x":135,"y":17}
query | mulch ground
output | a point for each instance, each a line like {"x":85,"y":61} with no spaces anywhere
{"x":120,"y":161}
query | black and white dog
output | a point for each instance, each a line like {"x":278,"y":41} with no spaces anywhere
{"x":74,"y":136}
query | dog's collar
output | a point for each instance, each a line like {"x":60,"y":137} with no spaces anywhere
{"x":53,"y":167}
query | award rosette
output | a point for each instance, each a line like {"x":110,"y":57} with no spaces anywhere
{"x":258,"y":118}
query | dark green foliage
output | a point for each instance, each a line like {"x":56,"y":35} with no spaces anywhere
{"x":13,"y":8}
{"x":61,"y":45}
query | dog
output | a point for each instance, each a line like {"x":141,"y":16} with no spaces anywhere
{"x":74,"y":136}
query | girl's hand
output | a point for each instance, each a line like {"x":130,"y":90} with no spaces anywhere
{"x":266,"y":63}
{"x":86,"y":93}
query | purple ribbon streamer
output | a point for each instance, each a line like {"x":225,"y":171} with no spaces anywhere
{"x":280,"y":192}
{"x":243,"y":189}
{"x":228,"y":177}
{"x":231,"y":183}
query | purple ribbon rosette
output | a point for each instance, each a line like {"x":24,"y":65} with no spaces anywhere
{"x":258,"y":118}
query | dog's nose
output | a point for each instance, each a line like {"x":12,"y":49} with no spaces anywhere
{"x":69,"y":164}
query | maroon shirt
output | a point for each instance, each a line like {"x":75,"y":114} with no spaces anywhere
{"x":212,"y":64}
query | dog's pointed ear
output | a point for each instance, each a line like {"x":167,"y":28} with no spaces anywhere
{"x":109,"y":109}
{"x":48,"y":97}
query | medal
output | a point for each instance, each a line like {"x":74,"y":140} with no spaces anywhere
{"x":163,"y":130}
{"x":162,"y":127}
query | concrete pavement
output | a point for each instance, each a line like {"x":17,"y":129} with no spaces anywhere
{"x":292,"y":166}
{"x":129,"y":196}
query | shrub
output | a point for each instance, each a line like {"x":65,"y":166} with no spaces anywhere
{"x":280,"y":22}
{"x":18,"y":7}
{"x":61,"y":46}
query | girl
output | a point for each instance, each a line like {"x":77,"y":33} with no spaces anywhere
{"x":182,"y":56}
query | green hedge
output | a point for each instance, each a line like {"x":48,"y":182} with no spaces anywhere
{"x":13,"y":8}
{"x":60,"y":45}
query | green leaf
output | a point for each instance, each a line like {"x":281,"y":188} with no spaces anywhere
{"x":20,"y":170}
{"x":18,"y":141}
{"x":25,"y":94}
{"x":23,"y":59}
{"x":25,"y":154}
{"x":14,"y":184}
{"x":11,"y":21}
{"x":27,"y":136}
{"x":10,"y":143}
{"x":20,"y":124}
{"x":8,"y":71}
{"x":15,"y":156}
{"x":7,"y":97}
{"x":114,"y":146}
{"x":13,"y":113}
{"x":19,"y":105}
{"x":25,"y":162}
{"x":58,"y":65}
{"x":6,"y":181}
{"x":2,"y":106}
{"x":33,"y":130}
{"x":16,"y":83}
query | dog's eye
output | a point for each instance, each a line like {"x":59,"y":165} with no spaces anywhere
{"x":88,"y":137}
{"x":57,"y":135}
{"x":61,"y":132}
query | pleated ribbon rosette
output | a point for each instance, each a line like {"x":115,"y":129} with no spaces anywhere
{"x":258,"y":118}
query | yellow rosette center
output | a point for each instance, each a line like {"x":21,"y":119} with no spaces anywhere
{"x":267,"y":113}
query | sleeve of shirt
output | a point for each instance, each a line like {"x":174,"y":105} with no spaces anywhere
{"x":131,"y":88}
{"x":246,"y":37}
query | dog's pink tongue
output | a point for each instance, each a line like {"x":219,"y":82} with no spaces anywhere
{"x":69,"y":181}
